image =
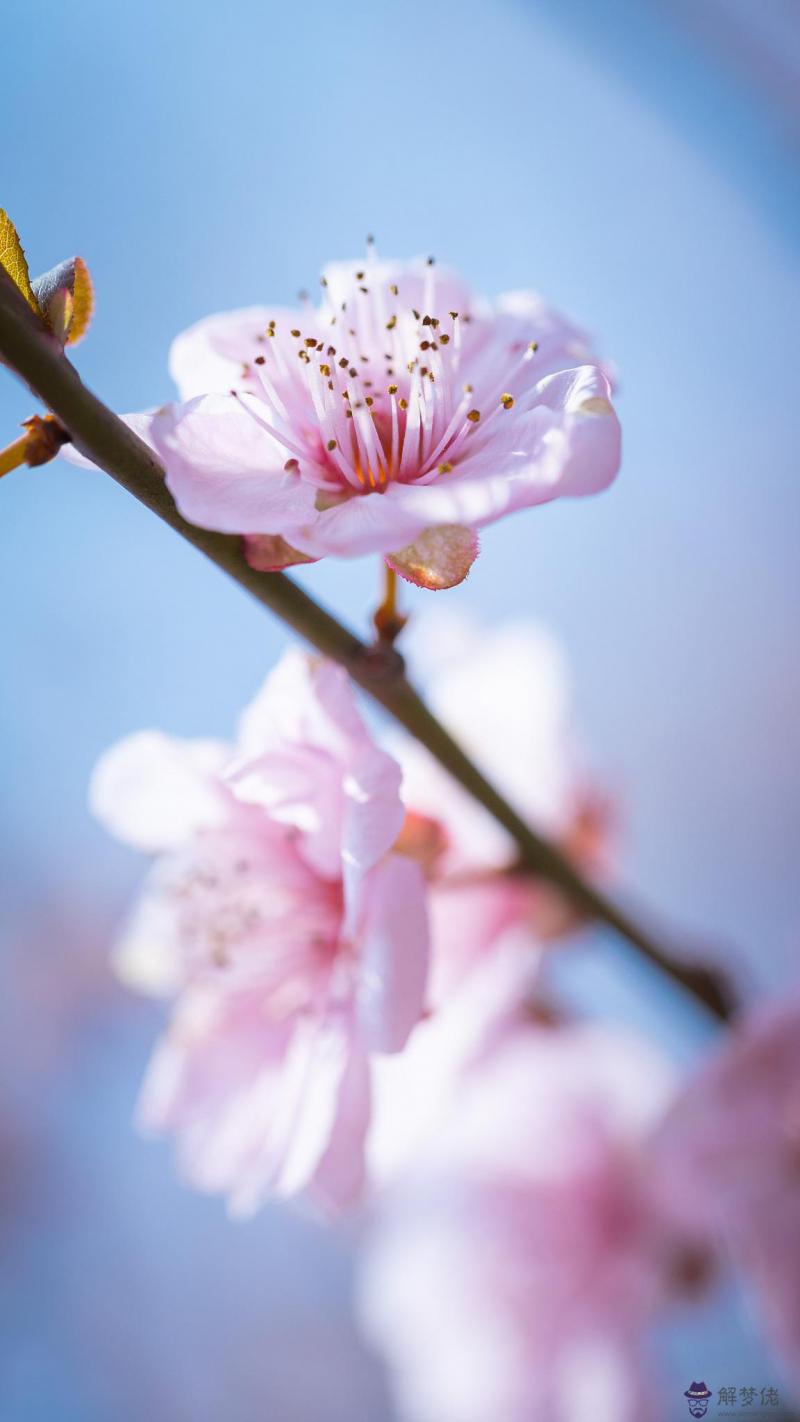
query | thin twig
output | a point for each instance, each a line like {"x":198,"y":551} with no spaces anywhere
{"x":388,"y":620}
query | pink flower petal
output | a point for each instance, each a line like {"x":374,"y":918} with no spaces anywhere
{"x":373,"y":811}
{"x":308,"y":758}
{"x":154,"y":792}
{"x":340,"y":1175}
{"x":394,"y":953}
{"x":592,"y":428}
{"x":313,"y":1093}
{"x":261,"y":1107}
{"x":560,"y":343}
{"x":213,"y":355}
{"x":304,"y":701}
{"x":226,"y":472}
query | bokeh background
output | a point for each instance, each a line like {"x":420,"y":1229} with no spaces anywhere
{"x":636,"y":160}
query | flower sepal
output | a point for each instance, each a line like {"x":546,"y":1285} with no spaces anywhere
{"x":440,"y":558}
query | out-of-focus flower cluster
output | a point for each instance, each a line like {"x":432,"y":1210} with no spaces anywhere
{"x":360,"y":1015}
{"x":565,"y":1193}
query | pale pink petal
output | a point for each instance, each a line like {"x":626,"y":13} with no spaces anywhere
{"x":307,"y":757}
{"x":373,"y":812}
{"x":340,"y":1175}
{"x":148,"y":955}
{"x":213,"y":355}
{"x":429,"y":287}
{"x":393,"y":953}
{"x":592,"y":428}
{"x":215,"y":1051}
{"x":561,"y":343}
{"x":303,"y":1117}
{"x":154,"y":791}
{"x":368,"y":523}
{"x":300,"y":787}
{"x":225,"y":471}
{"x":303,"y":701}
{"x":261,"y":1106}
{"x":216,"y":1081}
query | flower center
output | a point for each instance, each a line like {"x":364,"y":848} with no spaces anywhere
{"x":370,"y":391}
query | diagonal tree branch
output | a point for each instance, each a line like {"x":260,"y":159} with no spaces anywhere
{"x":28,"y":348}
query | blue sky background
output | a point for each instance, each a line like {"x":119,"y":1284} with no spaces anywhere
{"x":204,"y":156}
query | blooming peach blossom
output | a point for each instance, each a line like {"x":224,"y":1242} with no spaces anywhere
{"x":293,"y":935}
{"x":517,"y":1262}
{"x":398,"y":417}
{"x":729,"y":1156}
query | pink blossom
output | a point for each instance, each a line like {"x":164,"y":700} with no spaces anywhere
{"x":504,"y":692}
{"x":518,"y":1261}
{"x":729,"y":1157}
{"x":293,"y":935}
{"x":398,"y":417}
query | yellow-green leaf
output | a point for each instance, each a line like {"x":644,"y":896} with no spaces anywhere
{"x":12,"y":258}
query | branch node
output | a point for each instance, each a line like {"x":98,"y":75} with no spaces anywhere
{"x":45,"y":437}
{"x":380,"y":664}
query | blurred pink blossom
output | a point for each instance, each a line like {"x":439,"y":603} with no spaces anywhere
{"x":504,"y":693}
{"x":518,"y":1261}
{"x":729,"y":1156}
{"x":397,"y":418}
{"x":295,"y":939}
